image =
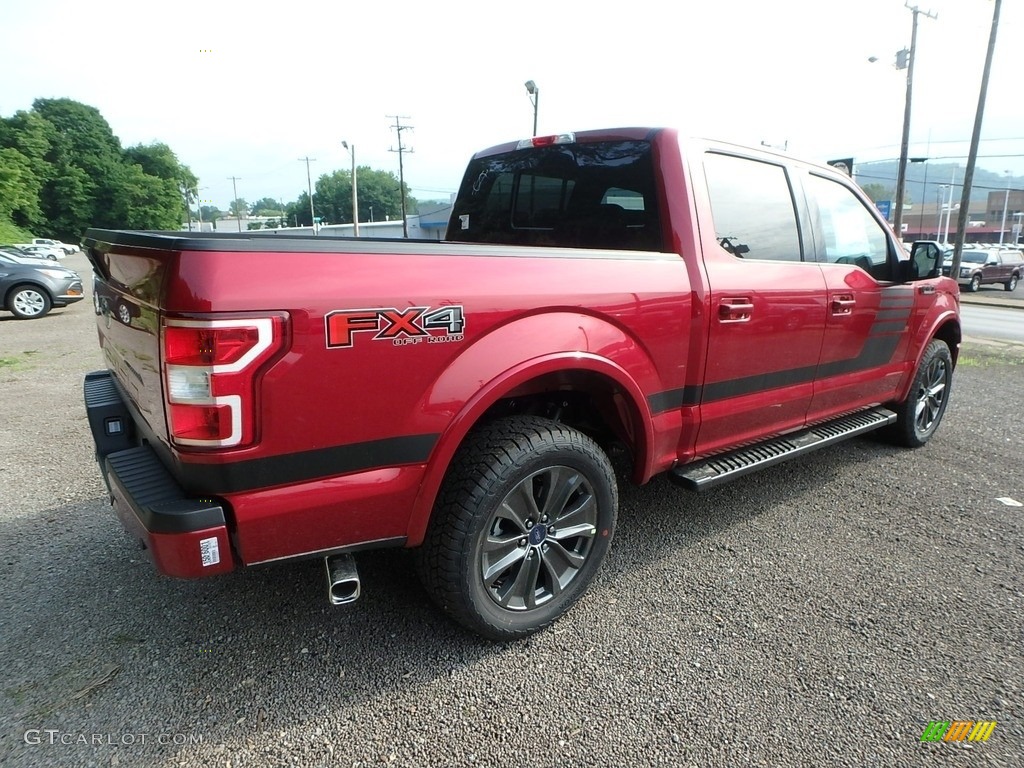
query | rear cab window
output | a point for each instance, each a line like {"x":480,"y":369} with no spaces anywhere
{"x":580,"y":195}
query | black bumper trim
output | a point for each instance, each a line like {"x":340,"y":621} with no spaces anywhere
{"x":154,"y":496}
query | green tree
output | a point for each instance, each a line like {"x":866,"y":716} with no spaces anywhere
{"x":378,"y":190}
{"x":877,"y":192}
{"x":298,"y":212}
{"x":239,"y":207}
{"x":266,"y":206}
{"x":164,"y":191}
{"x":19,"y":190}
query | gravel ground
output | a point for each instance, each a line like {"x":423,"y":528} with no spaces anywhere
{"x":820,"y":613}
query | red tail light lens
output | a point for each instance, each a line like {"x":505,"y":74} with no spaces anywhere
{"x":210,"y":376}
{"x":207,"y":346}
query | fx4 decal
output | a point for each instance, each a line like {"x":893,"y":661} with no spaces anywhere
{"x":401,"y":327}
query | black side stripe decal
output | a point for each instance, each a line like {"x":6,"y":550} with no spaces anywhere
{"x":306,"y":465}
{"x":878,"y":350}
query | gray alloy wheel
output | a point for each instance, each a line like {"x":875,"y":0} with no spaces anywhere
{"x":520,"y":528}
{"x":538,"y":538}
{"x":919,"y":415}
{"x":28,"y":302}
{"x":1011,"y":284}
{"x":975,"y":284}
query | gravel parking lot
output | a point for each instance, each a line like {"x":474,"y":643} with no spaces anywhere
{"x":819,"y":613}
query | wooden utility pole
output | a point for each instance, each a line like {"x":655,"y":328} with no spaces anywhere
{"x":963,"y":217}
{"x":234,"y":187}
{"x":309,"y":187}
{"x":401,"y":172}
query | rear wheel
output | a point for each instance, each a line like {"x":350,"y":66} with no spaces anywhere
{"x":919,"y":415}
{"x":1011,"y":284}
{"x":521,"y":526}
{"x":27,"y":302}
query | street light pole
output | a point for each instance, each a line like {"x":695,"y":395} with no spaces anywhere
{"x":901,"y":174}
{"x":355,"y":204}
{"x":534,"y":91}
{"x":1006,"y":204}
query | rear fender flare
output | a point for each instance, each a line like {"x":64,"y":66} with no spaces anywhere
{"x":497,"y":364}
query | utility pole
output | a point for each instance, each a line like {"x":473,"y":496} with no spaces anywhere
{"x":355,"y":203}
{"x":199,"y":206}
{"x":309,"y":187}
{"x":401,"y":172}
{"x":234,"y":187}
{"x":901,"y":174}
{"x":972,"y":157}
{"x":188,"y":207}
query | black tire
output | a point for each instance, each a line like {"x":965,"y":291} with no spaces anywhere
{"x":1011,"y":284}
{"x":919,"y":415}
{"x":27,"y":302}
{"x":505,"y":473}
{"x":975,"y":284}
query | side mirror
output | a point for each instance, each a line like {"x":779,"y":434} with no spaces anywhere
{"x":925,"y":261}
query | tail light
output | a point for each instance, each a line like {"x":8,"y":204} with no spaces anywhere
{"x":210,"y":369}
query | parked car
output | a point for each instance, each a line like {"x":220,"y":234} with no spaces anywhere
{"x":42,"y":251}
{"x":987,"y":266}
{"x":67,"y":248}
{"x":31,"y":290}
{"x":21,"y":257}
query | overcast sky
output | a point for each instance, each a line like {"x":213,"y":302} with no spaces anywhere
{"x":245,"y":89}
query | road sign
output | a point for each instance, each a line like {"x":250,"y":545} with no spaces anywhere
{"x":884,"y":207}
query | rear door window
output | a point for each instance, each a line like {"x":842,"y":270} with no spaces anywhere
{"x":752,"y":207}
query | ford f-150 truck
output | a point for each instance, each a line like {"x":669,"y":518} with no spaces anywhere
{"x":701,"y":309}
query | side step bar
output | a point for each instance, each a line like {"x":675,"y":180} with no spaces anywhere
{"x":707,"y":473}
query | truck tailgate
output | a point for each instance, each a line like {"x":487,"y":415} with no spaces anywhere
{"x":128,"y":284}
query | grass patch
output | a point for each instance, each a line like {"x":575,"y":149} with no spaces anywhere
{"x":987,"y":358}
{"x":17,"y":363}
{"x":12,"y":234}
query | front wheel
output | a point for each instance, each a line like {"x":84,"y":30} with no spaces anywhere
{"x":521,"y":526}
{"x":975,"y":285}
{"x":919,"y":415}
{"x":1011,"y":284}
{"x":28,"y":302}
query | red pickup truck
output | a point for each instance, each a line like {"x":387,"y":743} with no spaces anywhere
{"x":710,"y":309}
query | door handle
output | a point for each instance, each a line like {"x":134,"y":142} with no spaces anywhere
{"x":843,"y":305}
{"x":926,"y":289}
{"x":735,"y":310}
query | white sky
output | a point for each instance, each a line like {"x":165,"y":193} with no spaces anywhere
{"x":247,"y":88}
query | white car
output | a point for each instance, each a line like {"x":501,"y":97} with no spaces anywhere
{"x":66,"y":247}
{"x":43,"y":251}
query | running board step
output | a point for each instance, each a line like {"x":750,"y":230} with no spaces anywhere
{"x":707,"y":473}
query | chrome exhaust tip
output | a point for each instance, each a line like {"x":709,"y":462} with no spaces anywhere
{"x":342,"y":579}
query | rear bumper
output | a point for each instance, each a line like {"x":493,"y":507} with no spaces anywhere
{"x":185,"y":537}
